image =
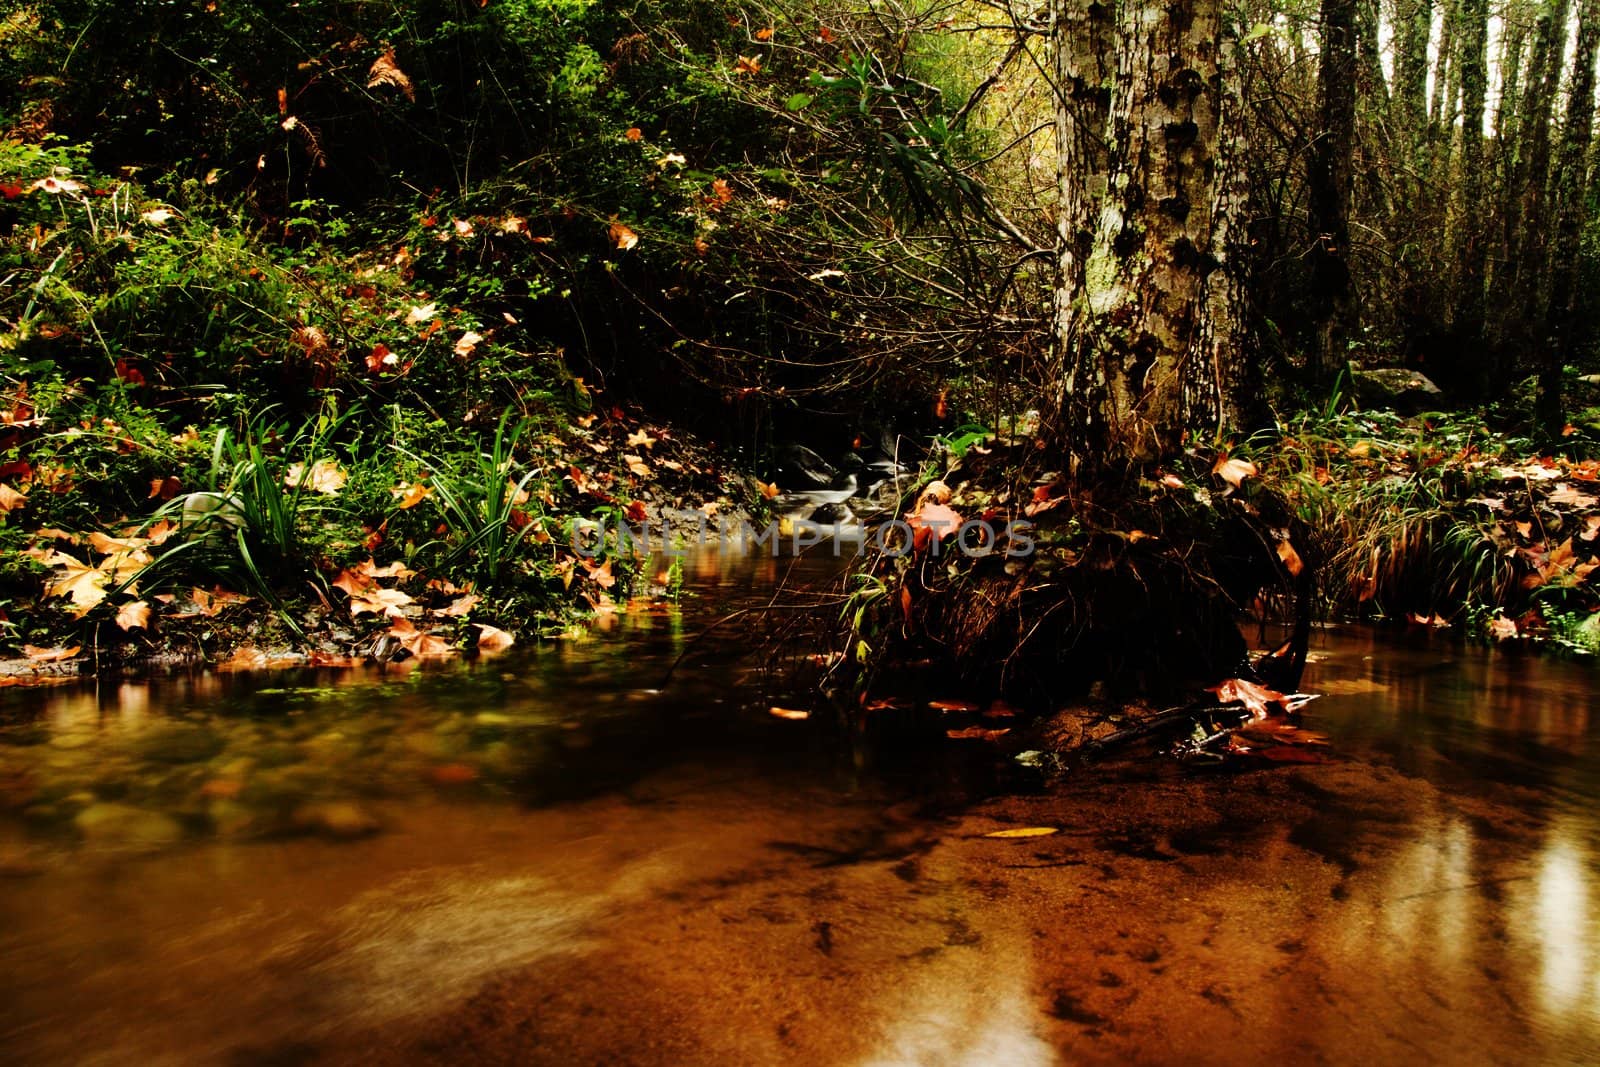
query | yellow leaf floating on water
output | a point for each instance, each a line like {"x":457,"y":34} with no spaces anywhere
{"x":1026,"y":831}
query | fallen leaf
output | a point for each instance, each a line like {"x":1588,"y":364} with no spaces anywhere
{"x":421,"y":314}
{"x":764,"y":34}
{"x":1566,"y":494}
{"x":1291,"y":558}
{"x":1234,"y":471}
{"x":1502,"y":629}
{"x":461,"y":605}
{"x":977,"y":733}
{"x":10,"y":499}
{"x":623,"y":237}
{"x":637,"y":465}
{"x":601,"y":574}
{"x":493,"y":639}
{"x":953,"y":705}
{"x":50,"y":655}
{"x":325,"y":476}
{"x":640,"y":439}
{"x":135,"y":614}
{"x":933,"y":521}
{"x":110,"y":545}
{"x":1257,"y":699}
{"x":409,"y":494}
{"x":420,"y":643}
{"x":747,"y":65}
{"x":1025,"y":831}
{"x":164,"y":488}
{"x":788,"y":713}
{"x":468,"y":343}
{"x":633,"y":133}
{"x":378,"y":601}
{"x":86,"y":585}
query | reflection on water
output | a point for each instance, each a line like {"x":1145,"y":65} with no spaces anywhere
{"x":560,"y":858}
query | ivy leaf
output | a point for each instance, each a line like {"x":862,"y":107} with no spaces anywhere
{"x":799,"y":101}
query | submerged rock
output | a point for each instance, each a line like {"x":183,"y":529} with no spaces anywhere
{"x":180,"y":744}
{"x":336,"y":818}
{"x":110,"y":825}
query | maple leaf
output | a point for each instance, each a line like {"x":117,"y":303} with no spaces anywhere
{"x":86,"y":585}
{"x":10,"y":499}
{"x":378,"y":601}
{"x":636,"y":511}
{"x":768,"y":491}
{"x":747,"y":65}
{"x":134,"y":614}
{"x":164,"y":488}
{"x":933,"y":521}
{"x":112,"y":545}
{"x":393,"y":569}
{"x":1234,"y":471}
{"x":493,"y":639}
{"x":353,"y":583}
{"x":637,"y":465}
{"x":325,"y":476}
{"x":1502,"y":629}
{"x":1565,"y":494}
{"x":420,"y":643}
{"x":461,"y":605}
{"x":764,"y":34}
{"x":601,"y":574}
{"x":641,"y":439}
{"x":623,"y":237}
{"x":421,"y":314}
{"x":380,"y":357}
{"x":468,"y":343}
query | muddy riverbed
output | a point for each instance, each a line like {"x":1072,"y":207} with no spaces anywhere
{"x":557,"y":859}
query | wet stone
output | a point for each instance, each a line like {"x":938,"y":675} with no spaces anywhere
{"x":120,"y":826}
{"x":339,"y":818}
{"x":180,"y":744}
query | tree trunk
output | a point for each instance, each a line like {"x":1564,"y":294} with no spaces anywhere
{"x":1159,"y":340}
{"x":1328,"y":187}
{"x":1571,"y":188}
{"x":1469,"y":249}
{"x":1413,"y":27}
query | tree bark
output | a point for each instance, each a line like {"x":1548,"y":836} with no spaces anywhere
{"x":1157,"y":341}
{"x":1469,"y":247}
{"x":1571,"y":188}
{"x":1328,"y":185}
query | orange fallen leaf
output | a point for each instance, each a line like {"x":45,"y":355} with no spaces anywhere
{"x":977,"y":733}
{"x":1291,"y":559}
{"x":633,"y":133}
{"x":494,"y":639}
{"x":10,"y":499}
{"x":135,"y":614}
{"x":50,"y":655}
{"x":623,"y":237}
{"x":420,"y":643}
{"x":788,"y":713}
{"x":1256,"y":698}
{"x":409,"y":494}
{"x":747,"y":65}
{"x":953,"y":705}
{"x":641,"y":439}
{"x":461,"y":605}
{"x":1234,"y":471}
{"x":378,"y":601}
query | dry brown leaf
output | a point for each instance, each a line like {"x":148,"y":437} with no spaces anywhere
{"x":86,"y":585}
{"x":134,"y":614}
{"x":353,"y":582}
{"x":953,"y":705}
{"x":1234,"y":471}
{"x":640,"y":439}
{"x":461,"y":605}
{"x":493,"y":639}
{"x":392,"y":569}
{"x":637,"y":465}
{"x":108,"y":545}
{"x":1025,"y":831}
{"x":1566,"y":494}
{"x":767,"y":491}
{"x":420,"y":643}
{"x":1291,"y":559}
{"x":325,"y":476}
{"x":794,"y":714}
{"x":10,"y":499}
{"x":623,"y":237}
{"x":384,"y":71}
{"x":1502,"y":629}
{"x":1256,"y":698}
{"x":468,"y":343}
{"x":601,"y":574}
{"x":50,"y":655}
{"x":977,"y":733}
{"x":378,"y":601}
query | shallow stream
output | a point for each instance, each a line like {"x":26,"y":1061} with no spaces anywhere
{"x":553,"y":857}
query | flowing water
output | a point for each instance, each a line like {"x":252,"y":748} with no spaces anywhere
{"x":559,"y":858}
